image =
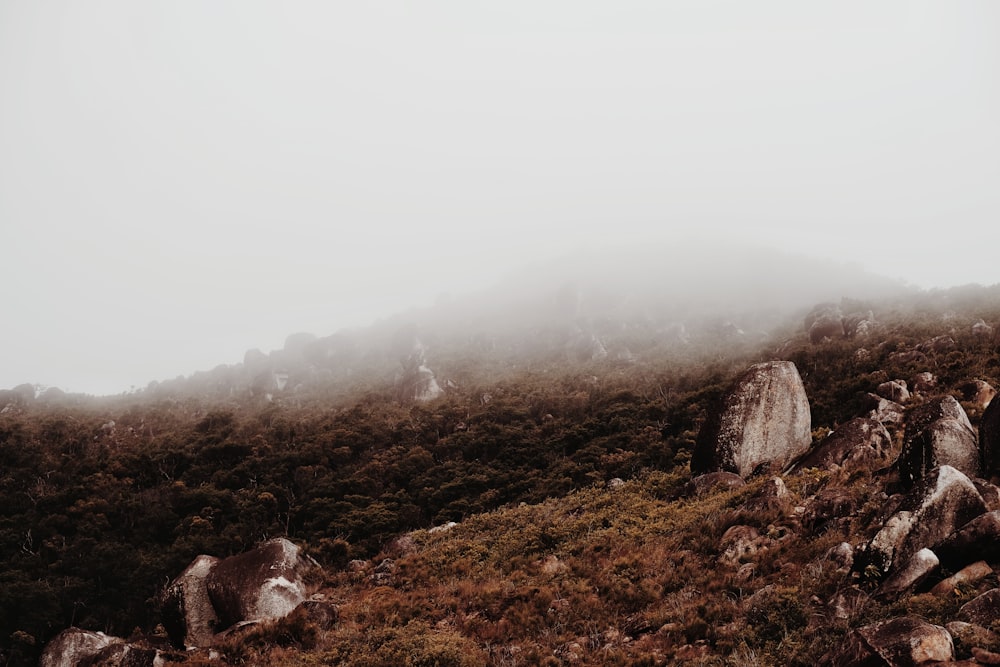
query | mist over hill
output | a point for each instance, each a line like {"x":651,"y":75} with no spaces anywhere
{"x":616,"y":301}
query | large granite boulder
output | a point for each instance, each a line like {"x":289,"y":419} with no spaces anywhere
{"x":937,"y":433}
{"x":212,"y":595}
{"x":860,"y":439}
{"x":763,"y":420}
{"x":73,"y":646}
{"x":944,"y":500}
{"x":901,"y":642}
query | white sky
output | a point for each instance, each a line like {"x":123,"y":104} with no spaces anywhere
{"x":183,"y":180}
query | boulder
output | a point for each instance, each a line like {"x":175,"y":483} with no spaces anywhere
{"x":909,"y":576}
{"x":982,"y":330}
{"x":126,"y":655}
{"x":186,"y":610}
{"x":860,"y":439}
{"x":709,"y":482}
{"x":894,"y":390}
{"x":73,"y":646}
{"x":824,"y":321}
{"x":884,"y":410}
{"x":213,"y":595}
{"x":977,"y":392}
{"x":923,"y":382}
{"x":900,"y":642}
{"x":942,"y":343}
{"x":975,"y":540}
{"x":967,"y":575}
{"x":265,"y":583}
{"x":859,"y":323}
{"x":989,"y":440}
{"x":983,"y":610}
{"x":943,"y":501}
{"x":937,"y":433}
{"x":763,"y":420}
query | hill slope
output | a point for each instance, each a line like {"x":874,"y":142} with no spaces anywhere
{"x":104,"y":500}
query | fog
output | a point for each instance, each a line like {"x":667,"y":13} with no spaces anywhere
{"x":182,"y":181}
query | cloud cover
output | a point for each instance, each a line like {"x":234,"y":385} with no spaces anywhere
{"x":182,"y":181}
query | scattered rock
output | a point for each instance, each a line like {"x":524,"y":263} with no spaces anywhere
{"x":763,"y":420}
{"x":943,"y":501}
{"x":937,"y":433}
{"x":900,"y":642}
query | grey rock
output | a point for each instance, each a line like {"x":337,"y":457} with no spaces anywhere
{"x":943,"y":501}
{"x":73,"y":646}
{"x":883,"y":410}
{"x":265,"y":583}
{"x":900,"y":642}
{"x":860,"y":440}
{"x":937,"y":433}
{"x":186,"y":611}
{"x":906,"y":578}
{"x":894,"y":390}
{"x":967,"y":575}
{"x":983,"y":610}
{"x":763,"y":420}
{"x":974,"y":540}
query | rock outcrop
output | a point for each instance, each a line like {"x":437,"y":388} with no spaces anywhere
{"x":938,"y":433}
{"x":212,"y":595}
{"x":763,"y":420}
{"x":944,"y":500}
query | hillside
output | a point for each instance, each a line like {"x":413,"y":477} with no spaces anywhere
{"x":561,"y":451}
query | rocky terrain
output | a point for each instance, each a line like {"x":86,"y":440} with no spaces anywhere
{"x":821,"y":493}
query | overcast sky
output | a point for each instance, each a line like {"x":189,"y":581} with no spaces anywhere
{"x":182,"y":181}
